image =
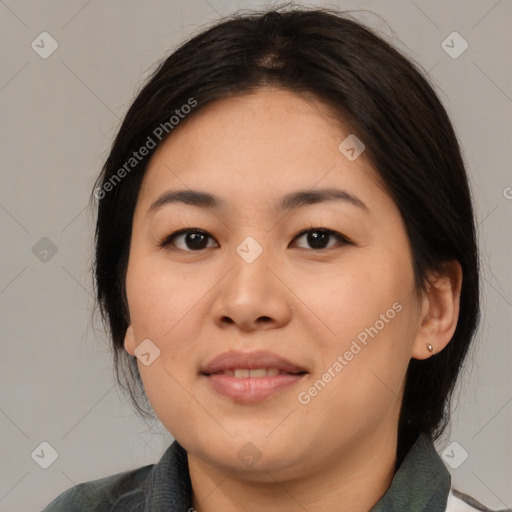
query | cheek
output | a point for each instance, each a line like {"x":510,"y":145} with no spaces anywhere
{"x":343,"y":300}
{"x":164,"y":307}
{"x":363,"y":370}
{"x":366,"y":315}
{"x":169,"y":308}
{"x":160,"y":298}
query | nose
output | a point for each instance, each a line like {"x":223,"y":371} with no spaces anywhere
{"x":252,"y":295}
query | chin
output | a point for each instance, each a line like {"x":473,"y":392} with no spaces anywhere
{"x":252,"y":457}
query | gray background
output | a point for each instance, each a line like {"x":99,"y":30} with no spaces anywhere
{"x":59,"y":116}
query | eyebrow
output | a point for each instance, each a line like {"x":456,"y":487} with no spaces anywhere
{"x":290,"y":201}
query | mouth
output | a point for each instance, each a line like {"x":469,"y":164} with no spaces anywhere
{"x":255,"y":373}
{"x":255,"y":362}
{"x":251,"y":376}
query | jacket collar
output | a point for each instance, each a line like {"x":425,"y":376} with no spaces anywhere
{"x":168,"y":486}
{"x":421,"y":483}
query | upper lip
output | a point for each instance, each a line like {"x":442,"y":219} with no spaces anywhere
{"x":261,"y":359}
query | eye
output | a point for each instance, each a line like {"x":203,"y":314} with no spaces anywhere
{"x":318,"y":237}
{"x":192,"y":238}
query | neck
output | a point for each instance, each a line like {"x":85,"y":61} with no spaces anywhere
{"x":353,"y":479}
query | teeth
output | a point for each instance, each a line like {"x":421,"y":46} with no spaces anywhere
{"x":241,"y":373}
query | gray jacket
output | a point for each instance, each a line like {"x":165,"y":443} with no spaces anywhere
{"x":422,"y":483}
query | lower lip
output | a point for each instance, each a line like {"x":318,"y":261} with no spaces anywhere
{"x":251,"y":389}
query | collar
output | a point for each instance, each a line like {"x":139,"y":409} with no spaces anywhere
{"x":168,"y":486}
{"x":421,"y":483}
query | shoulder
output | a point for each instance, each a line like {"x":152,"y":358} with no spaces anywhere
{"x":460,"y":502}
{"x":102,"y":494}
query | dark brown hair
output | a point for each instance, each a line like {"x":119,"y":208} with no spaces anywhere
{"x":380,"y":95}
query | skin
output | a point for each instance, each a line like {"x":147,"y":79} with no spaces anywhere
{"x":337,"y":452}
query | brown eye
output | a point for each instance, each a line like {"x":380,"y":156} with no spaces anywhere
{"x":318,"y":238}
{"x":188,"y":240}
{"x":193,"y":239}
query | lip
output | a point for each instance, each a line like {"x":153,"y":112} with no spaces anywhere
{"x":251,"y":389}
{"x":260,"y":359}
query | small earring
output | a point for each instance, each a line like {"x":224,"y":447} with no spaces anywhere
{"x":430,"y":348}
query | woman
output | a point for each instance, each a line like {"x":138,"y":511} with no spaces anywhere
{"x":286,"y":260}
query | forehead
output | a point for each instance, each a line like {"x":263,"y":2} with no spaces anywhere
{"x":262,"y":144}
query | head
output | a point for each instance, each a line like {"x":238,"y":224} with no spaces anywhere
{"x":251,"y":110}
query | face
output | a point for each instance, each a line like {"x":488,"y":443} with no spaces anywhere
{"x":325,"y":284}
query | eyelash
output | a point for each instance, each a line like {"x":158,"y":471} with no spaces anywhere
{"x":341,"y":238}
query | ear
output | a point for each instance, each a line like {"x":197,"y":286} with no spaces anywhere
{"x":129,"y":341}
{"x":439,"y":310}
